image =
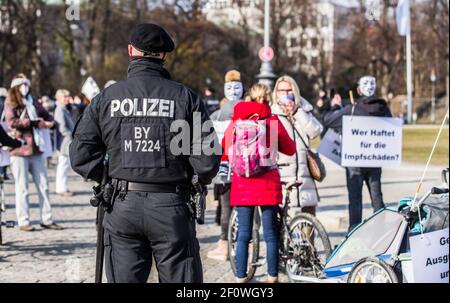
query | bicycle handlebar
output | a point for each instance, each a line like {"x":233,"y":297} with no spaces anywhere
{"x":439,"y":191}
{"x":291,"y":185}
{"x":433,"y":191}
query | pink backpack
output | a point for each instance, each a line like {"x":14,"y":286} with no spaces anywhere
{"x":249,"y":154}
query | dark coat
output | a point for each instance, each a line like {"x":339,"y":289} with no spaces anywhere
{"x":23,"y":127}
{"x":143,"y":107}
{"x":365,"y":106}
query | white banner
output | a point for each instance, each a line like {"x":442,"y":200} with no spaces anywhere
{"x":371,"y":141}
{"x":330,"y":146}
{"x":430,"y":257}
{"x":403,"y":16}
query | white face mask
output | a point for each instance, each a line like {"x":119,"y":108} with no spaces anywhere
{"x":24,"y":90}
{"x":234,"y":90}
{"x":368,"y":86}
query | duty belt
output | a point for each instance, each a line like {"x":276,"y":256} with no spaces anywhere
{"x":125,"y":186}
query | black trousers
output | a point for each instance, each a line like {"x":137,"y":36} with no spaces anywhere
{"x":356,"y":177}
{"x":225,"y":214}
{"x":223,"y":192}
{"x":142,"y":225}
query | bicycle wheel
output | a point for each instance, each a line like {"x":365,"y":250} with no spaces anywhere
{"x":372,"y":270}
{"x":308,"y":247}
{"x":253,"y":247}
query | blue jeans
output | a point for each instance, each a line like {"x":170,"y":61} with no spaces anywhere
{"x":271,"y":236}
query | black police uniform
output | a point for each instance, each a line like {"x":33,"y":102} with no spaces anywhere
{"x":131,"y":122}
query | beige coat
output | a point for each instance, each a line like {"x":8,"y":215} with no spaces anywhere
{"x":295,"y":167}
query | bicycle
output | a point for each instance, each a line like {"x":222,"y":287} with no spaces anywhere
{"x":7,"y":224}
{"x":300,"y":255}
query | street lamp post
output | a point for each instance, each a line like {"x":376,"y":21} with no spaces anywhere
{"x":433,"y":96}
{"x":266,"y":75}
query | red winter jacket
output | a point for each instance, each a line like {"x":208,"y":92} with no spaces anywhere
{"x":263,"y":190}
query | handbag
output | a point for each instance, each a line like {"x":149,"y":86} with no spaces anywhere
{"x":315,"y":165}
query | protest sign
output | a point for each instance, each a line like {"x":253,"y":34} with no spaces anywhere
{"x":330,"y":146}
{"x":371,"y":141}
{"x":90,"y":88}
{"x":429,"y":255}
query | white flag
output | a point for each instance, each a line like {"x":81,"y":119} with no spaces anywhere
{"x":403,"y":18}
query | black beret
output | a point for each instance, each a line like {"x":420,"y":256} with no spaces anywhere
{"x":148,"y":37}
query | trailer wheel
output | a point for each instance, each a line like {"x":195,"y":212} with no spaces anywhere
{"x":372,"y":270}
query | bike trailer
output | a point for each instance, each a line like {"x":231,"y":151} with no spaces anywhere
{"x":381,"y":235}
{"x":436,"y":208}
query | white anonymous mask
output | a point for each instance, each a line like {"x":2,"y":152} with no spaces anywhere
{"x":368,"y":86}
{"x":234,"y":90}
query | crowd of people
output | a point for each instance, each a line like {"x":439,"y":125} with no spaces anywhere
{"x":299,"y":121}
{"x":35,"y":128}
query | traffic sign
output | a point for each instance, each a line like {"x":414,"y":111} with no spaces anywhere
{"x":266,"y":54}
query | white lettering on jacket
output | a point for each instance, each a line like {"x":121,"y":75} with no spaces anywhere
{"x":146,"y":107}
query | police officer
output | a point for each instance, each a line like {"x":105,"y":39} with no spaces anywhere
{"x":131,"y":122}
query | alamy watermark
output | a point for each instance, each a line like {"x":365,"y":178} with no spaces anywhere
{"x":73,"y":10}
{"x":243,"y":138}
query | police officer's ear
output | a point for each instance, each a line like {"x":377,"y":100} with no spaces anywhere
{"x":130,"y":50}
{"x":133,"y":52}
{"x":164,"y":56}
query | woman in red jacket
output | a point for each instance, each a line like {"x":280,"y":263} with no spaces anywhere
{"x":262,"y":190}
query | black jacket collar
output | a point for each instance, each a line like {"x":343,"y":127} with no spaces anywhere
{"x":372,"y":99}
{"x":139,"y":67}
{"x":373,"y":106}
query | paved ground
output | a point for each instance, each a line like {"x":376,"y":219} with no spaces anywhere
{"x":68,"y":256}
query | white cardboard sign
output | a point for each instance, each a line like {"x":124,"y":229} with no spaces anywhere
{"x":90,"y":88}
{"x":371,"y":141}
{"x":330,"y":146}
{"x":430,"y":257}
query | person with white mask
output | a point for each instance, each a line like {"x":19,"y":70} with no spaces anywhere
{"x":367,"y":104}
{"x":26,"y":118}
{"x":234,"y":93}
